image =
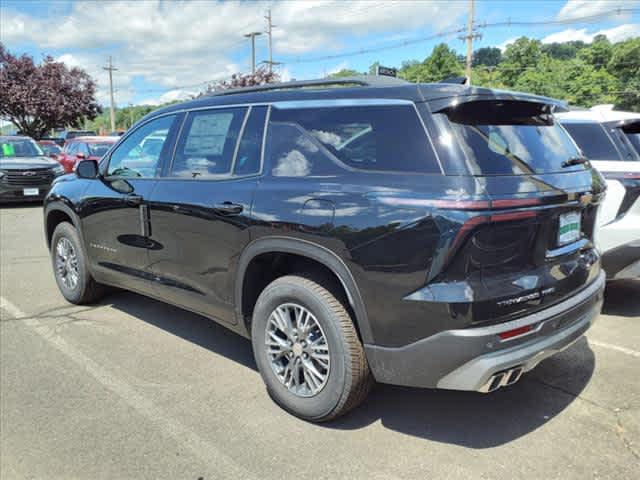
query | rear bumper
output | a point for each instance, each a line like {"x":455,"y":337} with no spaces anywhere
{"x":623,"y":261}
{"x":469,"y":359}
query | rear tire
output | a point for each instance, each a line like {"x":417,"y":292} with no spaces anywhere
{"x":70,"y":267}
{"x":325,"y":352}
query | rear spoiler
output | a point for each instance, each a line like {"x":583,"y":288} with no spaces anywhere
{"x":629,"y":125}
{"x":546,"y":104}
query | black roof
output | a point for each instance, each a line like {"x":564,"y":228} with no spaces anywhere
{"x":439,"y":95}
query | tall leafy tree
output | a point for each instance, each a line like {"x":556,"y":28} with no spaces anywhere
{"x":37,"y":98}
{"x":442,"y":63}
{"x":625,"y":66}
{"x":345,"y":72}
{"x":488,"y":56}
{"x":519,"y":56}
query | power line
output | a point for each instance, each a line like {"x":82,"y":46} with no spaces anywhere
{"x":508,"y":22}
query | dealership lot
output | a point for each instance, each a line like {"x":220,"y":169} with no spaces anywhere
{"x":133,"y":388}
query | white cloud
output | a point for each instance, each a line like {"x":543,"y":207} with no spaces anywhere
{"x":583,"y":8}
{"x":182,"y":43}
{"x":615,"y":34}
{"x":171,"y":96}
{"x":503,"y":45}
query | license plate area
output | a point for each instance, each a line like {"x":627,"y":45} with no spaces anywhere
{"x":569,"y":227}
{"x":30,"y":192}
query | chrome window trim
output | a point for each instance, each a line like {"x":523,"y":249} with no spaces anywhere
{"x":240,"y":134}
{"x":267,"y":120}
{"x":339,"y":102}
{"x":297,"y":104}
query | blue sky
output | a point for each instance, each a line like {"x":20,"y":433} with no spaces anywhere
{"x":168,"y":50}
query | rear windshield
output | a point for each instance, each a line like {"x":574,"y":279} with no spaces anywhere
{"x":593,"y":141}
{"x":625,"y":147}
{"x":516,"y":149}
{"x":99,"y":149}
{"x":634,"y":138}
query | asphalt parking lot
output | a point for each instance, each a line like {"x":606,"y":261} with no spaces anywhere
{"x":133,"y":388}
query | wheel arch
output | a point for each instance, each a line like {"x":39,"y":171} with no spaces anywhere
{"x":55,"y":213}
{"x":311,"y":251}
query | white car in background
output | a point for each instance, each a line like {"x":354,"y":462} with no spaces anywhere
{"x":611,"y":141}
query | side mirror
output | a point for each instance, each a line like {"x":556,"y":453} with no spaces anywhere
{"x":80,"y":156}
{"x":87,"y":169}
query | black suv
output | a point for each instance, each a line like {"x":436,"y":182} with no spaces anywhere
{"x":431,"y":235}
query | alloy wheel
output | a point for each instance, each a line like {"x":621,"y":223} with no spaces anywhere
{"x":67,"y":263}
{"x":297,"y":349}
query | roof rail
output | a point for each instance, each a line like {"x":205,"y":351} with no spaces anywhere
{"x":355,"y":81}
{"x":456,"y":80}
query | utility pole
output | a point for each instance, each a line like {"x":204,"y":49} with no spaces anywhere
{"x":269,"y":31}
{"x":469,"y":37}
{"x":253,"y":36}
{"x":110,"y":68}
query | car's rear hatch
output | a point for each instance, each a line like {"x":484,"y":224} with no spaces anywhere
{"x":530,"y":244}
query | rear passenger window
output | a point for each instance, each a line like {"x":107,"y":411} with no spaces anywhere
{"x":294,"y":153}
{"x":248,"y":158}
{"x":207,"y":143}
{"x":593,"y":141}
{"x":386,"y":138}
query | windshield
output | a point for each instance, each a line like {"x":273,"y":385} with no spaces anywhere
{"x":23,"y":147}
{"x":99,"y":149}
{"x":517,"y":149}
{"x":50,"y":148}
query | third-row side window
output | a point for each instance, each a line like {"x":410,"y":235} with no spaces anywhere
{"x":320,"y":141}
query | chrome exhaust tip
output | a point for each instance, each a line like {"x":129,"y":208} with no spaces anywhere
{"x":502,"y":379}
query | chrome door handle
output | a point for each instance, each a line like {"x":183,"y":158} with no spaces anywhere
{"x":228,"y":208}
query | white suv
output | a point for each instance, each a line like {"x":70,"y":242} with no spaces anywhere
{"x":611,"y":141}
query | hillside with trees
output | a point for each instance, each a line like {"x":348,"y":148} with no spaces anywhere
{"x":584,"y":74}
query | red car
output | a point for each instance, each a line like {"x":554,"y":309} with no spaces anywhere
{"x":81,"y":148}
{"x":50,"y":148}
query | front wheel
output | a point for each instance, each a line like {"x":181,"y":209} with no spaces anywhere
{"x":307,"y":350}
{"x":70,"y":266}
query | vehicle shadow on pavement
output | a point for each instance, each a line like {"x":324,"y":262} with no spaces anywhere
{"x":468,"y":419}
{"x":191,"y":327}
{"x":477,"y":420}
{"x":622,"y":298}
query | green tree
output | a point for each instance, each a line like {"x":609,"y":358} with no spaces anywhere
{"x":625,"y":66}
{"x":442,"y":63}
{"x":488,"y":56}
{"x":520,"y":56}
{"x":543,"y":79}
{"x":345,"y":72}
{"x":598,"y":53}
{"x":563,"y":50}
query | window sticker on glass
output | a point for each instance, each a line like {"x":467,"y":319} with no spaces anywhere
{"x":208,"y":134}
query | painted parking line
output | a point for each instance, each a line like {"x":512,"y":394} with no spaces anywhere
{"x":207,"y":452}
{"x":616,"y":348}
